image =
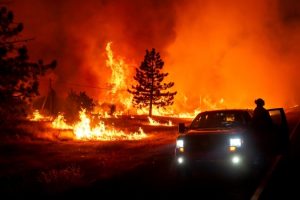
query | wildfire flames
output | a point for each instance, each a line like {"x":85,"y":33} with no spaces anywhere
{"x":189,"y":115}
{"x":83,"y":130}
{"x":152,"y":122}
{"x":37,"y":116}
{"x":60,"y":123}
{"x":219,"y":58}
{"x":118,"y":80}
{"x":118,"y":70}
{"x":118,"y":95}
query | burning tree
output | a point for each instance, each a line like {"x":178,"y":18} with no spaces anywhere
{"x":150,"y":91}
{"x":18,"y":76}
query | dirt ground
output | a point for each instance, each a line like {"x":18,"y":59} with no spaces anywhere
{"x":36,"y":158}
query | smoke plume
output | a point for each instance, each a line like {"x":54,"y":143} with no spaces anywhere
{"x":219,"y":53}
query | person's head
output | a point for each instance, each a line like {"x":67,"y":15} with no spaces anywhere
{"x":259,"y":102}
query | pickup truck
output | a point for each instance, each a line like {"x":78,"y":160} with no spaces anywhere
{"x":227,"y":138}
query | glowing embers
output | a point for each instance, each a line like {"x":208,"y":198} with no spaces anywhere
{"x":152,"y":122}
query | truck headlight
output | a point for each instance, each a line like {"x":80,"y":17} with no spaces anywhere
{"x":180,"y":160}
{"x":179,"y":143}
{"x":236,"y":142}
{"x":236,"y":159}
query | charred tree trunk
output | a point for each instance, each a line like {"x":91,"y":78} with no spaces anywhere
{"x":151,"y":90}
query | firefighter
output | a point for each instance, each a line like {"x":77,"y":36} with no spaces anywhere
{"x":263,"y":125}
{"x":262,"y":120}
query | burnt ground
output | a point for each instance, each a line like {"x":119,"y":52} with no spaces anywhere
{"x":36,"y":161}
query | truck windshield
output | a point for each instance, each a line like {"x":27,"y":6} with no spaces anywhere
{"x":224,"y":119}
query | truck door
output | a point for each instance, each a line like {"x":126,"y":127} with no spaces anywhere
{"x":281,"y":131}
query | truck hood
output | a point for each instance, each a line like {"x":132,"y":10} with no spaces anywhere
{"x":218,"y":131}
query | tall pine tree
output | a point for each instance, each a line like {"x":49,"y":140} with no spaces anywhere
{"x":18,"y":76}
{"x":150,"y":90}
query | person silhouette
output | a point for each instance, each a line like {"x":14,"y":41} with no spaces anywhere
{"x":261,"y":118}
{"x":262,"y":124}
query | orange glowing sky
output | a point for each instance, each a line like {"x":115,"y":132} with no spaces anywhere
{"x":224,"y":49}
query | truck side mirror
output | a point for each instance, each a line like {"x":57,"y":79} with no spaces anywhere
{"x":181,"y":128}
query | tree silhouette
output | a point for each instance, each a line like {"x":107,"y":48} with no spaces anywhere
{"x":18,"y":76}
{"x":76,"y":102}
{"x":150,"y":91}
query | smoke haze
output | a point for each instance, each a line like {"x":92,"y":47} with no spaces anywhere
{"x":225,"y":52}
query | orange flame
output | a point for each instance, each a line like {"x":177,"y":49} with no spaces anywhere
{"x":156,"y":111}
{"x":118,"y":80}
{"x":152,"y":122}
{"x":37,"y":116}
{"x":189,"y":115}
{"x":83,"y":130}
{"x":118,"y":71}
{"x":60,"y":123}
